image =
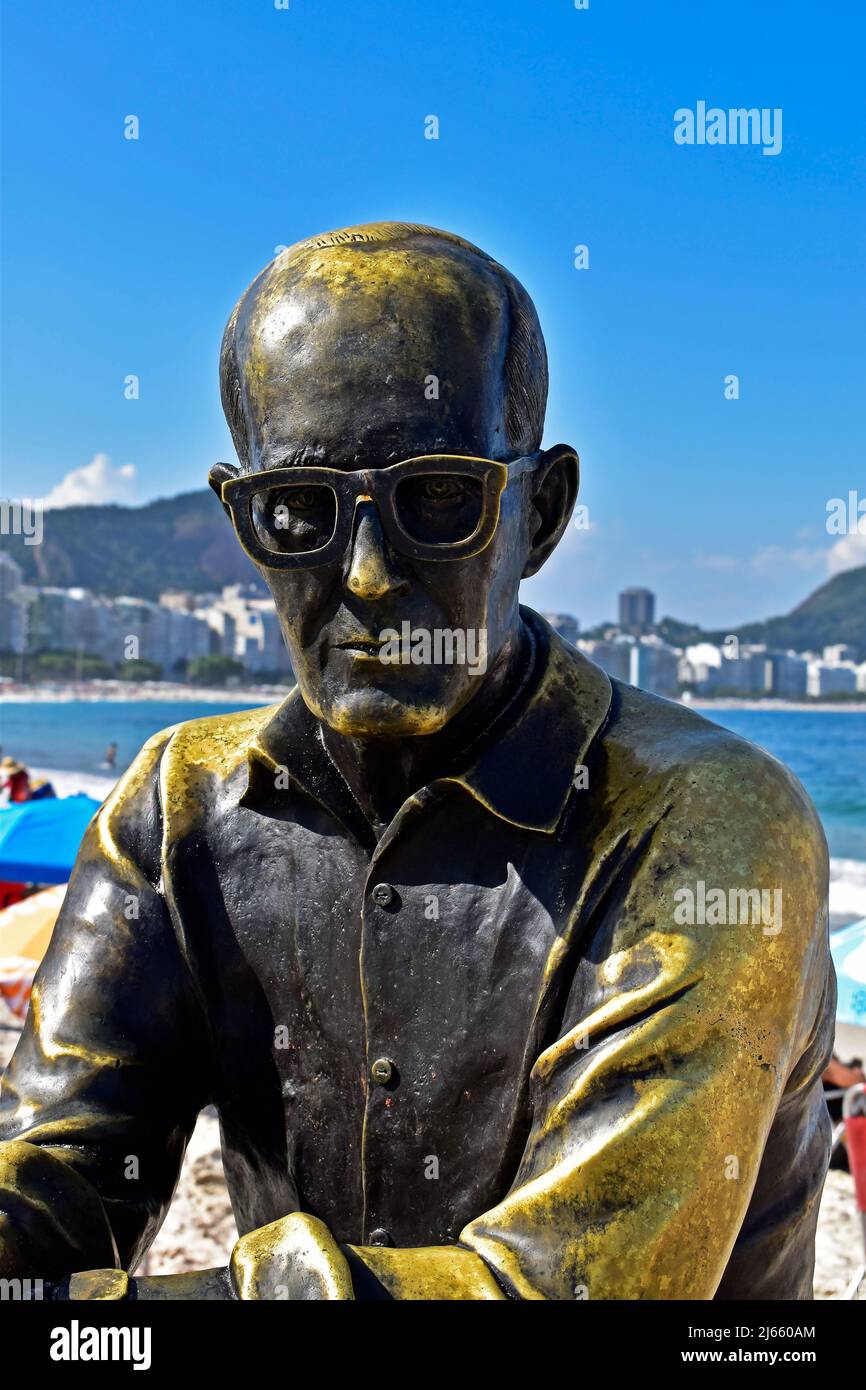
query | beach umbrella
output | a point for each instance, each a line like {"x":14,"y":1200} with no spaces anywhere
{"x":25,"y":931}
{"x":39,"y":839}
{"x":26,"y":927}
{"x":848,"y":949}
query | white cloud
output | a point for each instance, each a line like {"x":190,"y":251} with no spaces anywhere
{"x":777,"y":556}
{"x":848,"y":553}
{"x":93,"y":483}
{"x":769,"y":557}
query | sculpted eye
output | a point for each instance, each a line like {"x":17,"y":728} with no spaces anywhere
{"x":304,"y":499}
{"x":439,"y":508}
{"x":294,"y":519}
{"x":442,"y":489}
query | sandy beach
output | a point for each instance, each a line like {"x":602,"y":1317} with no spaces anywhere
{"x":61,"y":692}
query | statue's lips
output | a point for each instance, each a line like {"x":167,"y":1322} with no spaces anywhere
{"x":370,"y":649}
{"x":368,"y":645}
{"x":362,"y":648}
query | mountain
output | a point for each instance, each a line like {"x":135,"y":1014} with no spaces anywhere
{"x":183,"y":542}
{"x":186,"y":542}
{"x":834,"y":613}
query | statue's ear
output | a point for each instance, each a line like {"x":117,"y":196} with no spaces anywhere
{"x":219,"y":474}
{"x":554,"y":493}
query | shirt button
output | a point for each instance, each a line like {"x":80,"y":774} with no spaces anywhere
{"x":382,"y":1070}
{"x":380,"y":1237}
{"x":383,"y":894}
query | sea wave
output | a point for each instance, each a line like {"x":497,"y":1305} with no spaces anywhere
{"x":847,"y":889}
{"x":67,"y":783}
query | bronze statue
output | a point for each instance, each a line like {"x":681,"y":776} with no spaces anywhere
{"x":447,"y":942}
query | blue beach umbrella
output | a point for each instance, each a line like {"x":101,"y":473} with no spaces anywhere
{"x":848,"y":949}
{"x":39,"y":839}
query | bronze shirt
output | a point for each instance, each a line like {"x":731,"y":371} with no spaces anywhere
{"x":489,"y":1028}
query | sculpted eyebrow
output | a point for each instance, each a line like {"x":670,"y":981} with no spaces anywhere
{"x":306,"y":455}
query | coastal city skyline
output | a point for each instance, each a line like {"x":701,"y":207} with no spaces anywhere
{"x":48,"y":631}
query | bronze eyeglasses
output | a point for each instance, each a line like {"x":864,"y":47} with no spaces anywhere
{"x":435,"y":507}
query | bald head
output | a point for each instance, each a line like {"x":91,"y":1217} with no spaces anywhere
{"x":361,"y":347}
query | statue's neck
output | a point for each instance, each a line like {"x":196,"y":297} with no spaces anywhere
{"x":382,"y":773}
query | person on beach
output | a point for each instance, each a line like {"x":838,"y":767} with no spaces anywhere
{"x":839,"y":1076}
{"x":111,"y":756}
{"x":508,"y":980}
{"x":14,"y":780}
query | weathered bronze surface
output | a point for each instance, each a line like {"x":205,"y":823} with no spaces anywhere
{"x":414,"y":931}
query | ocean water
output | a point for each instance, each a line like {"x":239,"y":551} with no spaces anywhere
{"x":826,"y":750}
{"x":73,"y":735}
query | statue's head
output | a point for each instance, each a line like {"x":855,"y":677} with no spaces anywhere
{"x":353,"y":352}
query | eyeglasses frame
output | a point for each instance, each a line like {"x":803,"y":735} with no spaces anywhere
{"x":377,"y":485}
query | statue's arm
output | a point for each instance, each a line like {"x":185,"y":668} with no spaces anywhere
{"x":100,"y":1097}
{"x":651,"y":1111}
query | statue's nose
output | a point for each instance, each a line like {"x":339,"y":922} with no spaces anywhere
{"x":369,"y":574}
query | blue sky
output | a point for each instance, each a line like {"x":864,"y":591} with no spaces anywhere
{"x":261,"y":126}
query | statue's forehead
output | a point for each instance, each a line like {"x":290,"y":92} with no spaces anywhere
{"x":342,"y":292}
{"x":348,"y":331}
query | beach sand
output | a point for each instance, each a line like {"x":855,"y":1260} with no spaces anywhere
{"x":61,"y":692}
{"x":839,"y":1245}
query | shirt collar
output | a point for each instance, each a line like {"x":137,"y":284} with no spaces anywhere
{"x":526,"y":766}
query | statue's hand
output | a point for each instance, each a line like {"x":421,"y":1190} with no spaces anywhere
{"x":293,"y":1258}
{"x":51,"y":1220}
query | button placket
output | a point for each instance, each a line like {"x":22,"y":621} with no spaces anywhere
{"x":382,"y":904}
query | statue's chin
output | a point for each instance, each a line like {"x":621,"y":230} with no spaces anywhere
{"x":379,"y":714}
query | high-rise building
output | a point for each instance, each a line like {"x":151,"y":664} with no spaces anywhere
{"x":839,"y":654}
{"x":67,"y":620}
{"x":636,"y":610}
{"x":179,"y":600}
{"x":837,"y":679}
{"x":654,"y":666}
{"x":790,"y":675}
{"x":614,"y":656}
{"x":223,"y":628}
{"x":564,"y":624}
{"x":12,"y":607}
